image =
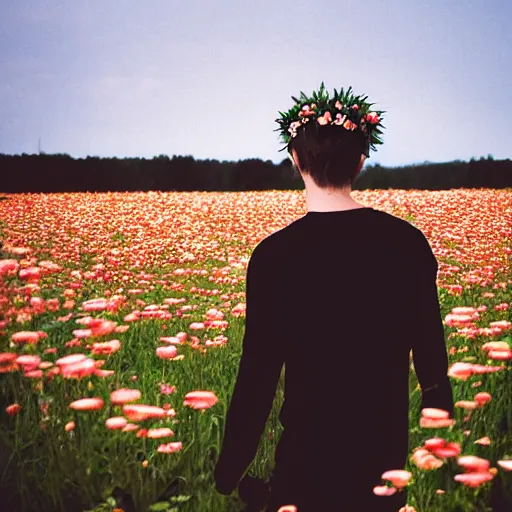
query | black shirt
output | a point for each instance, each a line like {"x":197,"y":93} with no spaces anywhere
{"x":340,"y":298}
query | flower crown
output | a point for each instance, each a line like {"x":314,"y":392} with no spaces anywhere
{"x":343,"y":109}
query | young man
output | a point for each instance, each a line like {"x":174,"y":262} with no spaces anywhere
{"x":339,"y":297}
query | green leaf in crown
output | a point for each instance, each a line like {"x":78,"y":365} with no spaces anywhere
{"x":344,"y":109}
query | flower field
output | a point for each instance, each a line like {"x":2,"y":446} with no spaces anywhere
{"x":121,"y":322}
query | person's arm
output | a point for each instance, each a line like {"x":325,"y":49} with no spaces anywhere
{"x":430,"y":358}
{"x":258,"y":375}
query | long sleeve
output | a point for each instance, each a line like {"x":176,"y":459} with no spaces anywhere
{"x":260,"y":367}
{"x":430,"y":358}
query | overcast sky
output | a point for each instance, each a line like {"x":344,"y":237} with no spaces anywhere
{"x":141,"y":78}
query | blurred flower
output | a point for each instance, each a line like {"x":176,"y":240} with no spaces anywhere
{"x":398,"y":477}
{"x":142,"y":412}
{"x":156,"y":433}
{"x":167,"y":352}
{"x":200,"y":399}
{"x":474,"y":479}
{"x":13,"y":409}
{"x":124,"y":395}
{"x":384,"y":490}
{"x":165,"y":389}
{"x":87,"y":404}
{"x":473,"y":463}
{"x":170,"y":447}
{"x":115,"y":423}
{"x":482,"y":398}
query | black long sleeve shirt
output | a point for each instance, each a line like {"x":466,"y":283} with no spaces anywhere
{"x":340,"y":299}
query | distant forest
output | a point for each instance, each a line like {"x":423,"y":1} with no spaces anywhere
{"x":62,"y":173}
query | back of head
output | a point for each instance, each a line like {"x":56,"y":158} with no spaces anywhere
{"x":330,"y":155}
{"x":327,"y":136}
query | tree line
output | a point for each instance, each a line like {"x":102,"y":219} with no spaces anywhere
{"x":63,"y":173}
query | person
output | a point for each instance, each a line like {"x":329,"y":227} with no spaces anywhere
{"x":339,"y":297}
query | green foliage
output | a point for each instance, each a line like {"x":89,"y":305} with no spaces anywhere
{"x":320,"y":103}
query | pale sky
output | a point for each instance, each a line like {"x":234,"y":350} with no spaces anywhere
{"x":130,"y":78}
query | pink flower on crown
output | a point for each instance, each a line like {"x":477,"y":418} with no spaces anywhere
{"x":355,"y":107}
{"x":293,"y":128}
{"x":349,"y":125}
{"x":338,"y":105}
{"x":325,"y":119}
{"x":306,"y":111}
{"x":372,"y":117}
{"x":339,"y":119}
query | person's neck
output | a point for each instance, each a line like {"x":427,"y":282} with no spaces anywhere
{"x":324,"y":200}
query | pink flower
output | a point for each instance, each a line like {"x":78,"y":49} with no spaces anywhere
{"x":136,"y":412}
{"x":384,"y":490}
{"x":466,"y":404}
{"x":474,"y":479}
{"x":167,"y":352}
{"x":200,"y":399}
{"x":435,"y":418}
{"x":28,"y":362}
{"x":500,"y":355}
{"x":372,"y":117}
{"x":71,"y":359}
{"x":129,"y":427}
{"x":124,"y":395}
{"x":399,"y":478}
{"x":78,"y":370}
{"x":170,"y":447}
{"x":106,"y":347}
{"x":324,"y":119}
{"x":434,"y":414}
{"x":156,"y":433}
{"x":482,"y":398}
{"x":448,"y":450}
{"x":306,"y":111}
{"x":472,"y":463}
{"x":423,"y":459}
{"x":8,"y":267}
{"x":434,"y":442}
{"x":505,"y":464}
{"x":165,"y":389}
{"x":25,"y":337}
{"x":87,"y":404}
{"x":349,"y":125}
{"x":116,"y":423}
{"x":13,"y":409}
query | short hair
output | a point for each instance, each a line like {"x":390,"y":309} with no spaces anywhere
{"x":329,"y":154}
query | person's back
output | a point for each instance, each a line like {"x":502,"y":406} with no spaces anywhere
{"x":359,"y":294}
{"x":353,"y":293}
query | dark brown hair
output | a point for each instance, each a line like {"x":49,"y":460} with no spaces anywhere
{"x":329,"y":154}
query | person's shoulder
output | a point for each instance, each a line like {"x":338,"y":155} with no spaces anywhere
{"x":402,"y":226}
{"x":274,"y":249}
{"x":279,"y":238}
